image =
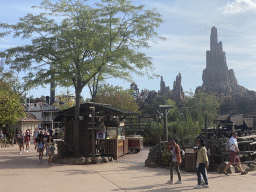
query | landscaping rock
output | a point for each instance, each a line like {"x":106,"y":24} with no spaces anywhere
{"x":96,"y":160}
{"x":252,"y":167}
{"x":148,"y":162}
{"x":110,"y":159}
{"x":88,"y":160}
{"x":80,"y":161}
{"x":244,"y":167}
{"x":105,"y":160}
{"x":222,"y":166}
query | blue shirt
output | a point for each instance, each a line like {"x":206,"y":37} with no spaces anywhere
{"x":40,"y":145}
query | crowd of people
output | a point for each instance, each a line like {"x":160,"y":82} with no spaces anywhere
{"x":43,"y":139}
{"x":202,"y":162}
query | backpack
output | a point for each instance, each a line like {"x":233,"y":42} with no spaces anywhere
{"x":182,"y":153}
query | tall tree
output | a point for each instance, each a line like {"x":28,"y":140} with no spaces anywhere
{"x":88,"y":40}
{"x":202,"y":103}
{"x":11,"y":109}
{"x":116,"y":96}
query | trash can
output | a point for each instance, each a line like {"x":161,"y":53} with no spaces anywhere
{"x":190,"y":159}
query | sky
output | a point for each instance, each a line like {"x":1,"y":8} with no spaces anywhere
{"x":187,"y":26}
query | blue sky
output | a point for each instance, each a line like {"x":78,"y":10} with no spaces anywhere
{"x":187,"y":29}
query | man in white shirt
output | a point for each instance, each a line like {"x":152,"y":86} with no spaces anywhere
{"x":234,"y":156}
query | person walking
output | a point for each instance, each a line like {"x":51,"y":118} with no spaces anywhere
{"x":202,"y":164}
{"x":41,"y":147}
{"x":21,"y":141}
{"x":176,"y":160}
{"x":57,"y":132}
{"x":234,"y":156}
{"x":46,"y":136}
{"x":50,"y":148}
{"x":35,"y":135}
{"x":27,"y":140}
{"x":17,"y":136}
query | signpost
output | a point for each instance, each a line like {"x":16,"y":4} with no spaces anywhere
{"x":166,"y":109}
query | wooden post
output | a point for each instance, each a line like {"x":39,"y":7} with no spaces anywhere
{"x":233,"y":128}
{"x":221,"y":151}
{"x":160,"y":154}
{"x":93,"y":131}
{"x":205,"y":129}
{"x":165,"y":126}
{"x":165,"y":107}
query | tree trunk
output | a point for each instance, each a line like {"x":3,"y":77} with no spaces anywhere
{"x":76,"y":123}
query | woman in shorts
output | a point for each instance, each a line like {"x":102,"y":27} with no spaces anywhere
{"x":50,"y":148}
{"x":27,"y":140}
{"x":21,"y":141}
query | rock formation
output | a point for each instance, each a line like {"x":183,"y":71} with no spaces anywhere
{"x":217,"y":78}
{"x":163,"y":89}
{"x":177,"y":93}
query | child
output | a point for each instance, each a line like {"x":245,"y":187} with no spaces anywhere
{"x":50,"y":147}
{"x":40,"y":145}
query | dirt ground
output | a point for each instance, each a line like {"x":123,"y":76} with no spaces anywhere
{"x":24,"y":173}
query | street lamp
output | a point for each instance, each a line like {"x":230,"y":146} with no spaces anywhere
{"x":166,"y":107}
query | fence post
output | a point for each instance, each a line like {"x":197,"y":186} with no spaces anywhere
{"x":160,"y":151}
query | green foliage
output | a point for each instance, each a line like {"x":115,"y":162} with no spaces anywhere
{"x":89,"y":40}
{"x":157,"y":129}
{"x":64,"y":101}
{"x":184,"y":124}
{"x":116,"y":96}
{"x":104,"y":38}
{"x":201,"y":104}
{"x":184,"y":130}
{"x":153,"y":105}
{"x":11,"y":109}
{"x":167,"y":156}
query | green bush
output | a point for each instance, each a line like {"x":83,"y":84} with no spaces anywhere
{"x":167,"y":156}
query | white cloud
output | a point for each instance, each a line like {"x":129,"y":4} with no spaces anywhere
{"x":239,"y":6}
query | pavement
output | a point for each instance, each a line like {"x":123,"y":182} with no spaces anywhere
{"x":23,"y":172}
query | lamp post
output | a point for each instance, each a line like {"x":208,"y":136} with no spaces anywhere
{"x":166,"y":107}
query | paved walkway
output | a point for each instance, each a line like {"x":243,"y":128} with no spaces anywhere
{"x":20,"y":173}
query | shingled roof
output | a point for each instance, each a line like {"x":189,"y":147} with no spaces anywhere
{"x":29,"y":118}
{"x":237,"y":119}
{"x":100,"y":110}
{"x":248,"y":122}
{"x":223,"y":117}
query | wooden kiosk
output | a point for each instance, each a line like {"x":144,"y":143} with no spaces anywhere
{"x":101,"y":129}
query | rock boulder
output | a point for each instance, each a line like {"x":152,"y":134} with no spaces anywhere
{"x":222,"y":166}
